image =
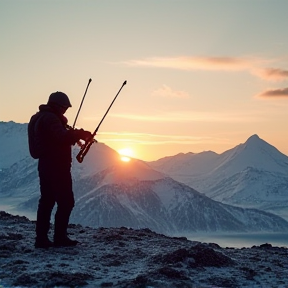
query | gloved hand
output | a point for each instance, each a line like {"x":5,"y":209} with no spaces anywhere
{"x":84,"y":135}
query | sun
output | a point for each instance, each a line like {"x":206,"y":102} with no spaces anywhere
{"x":126,"y":154}
{"x":125,"y":158}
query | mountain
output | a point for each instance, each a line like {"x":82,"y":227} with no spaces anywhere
{"x":14,"y":143}
{"x":159,"y":203}
{"x":134,"y":195}
{"x":132,"y":258}
{"x":112,"y":193}
{"x":253,"y":174}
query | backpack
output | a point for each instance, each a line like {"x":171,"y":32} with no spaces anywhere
{"x":33,"y":140}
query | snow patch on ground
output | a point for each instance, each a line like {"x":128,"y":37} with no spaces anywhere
{"x":122,"y":257}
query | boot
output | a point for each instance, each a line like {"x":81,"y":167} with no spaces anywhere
{"x":43,"y":243}
{"x":64,"y":242}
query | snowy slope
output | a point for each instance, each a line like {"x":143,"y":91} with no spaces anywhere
{"x":164,"y":205}
{"x":13,"y":144}
{"x":187,"y":164}
{"x":253,"y":174}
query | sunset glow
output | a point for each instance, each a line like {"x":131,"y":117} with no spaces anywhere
{"x":203,"y":76}
{"x":126,"y":154}
{"x":125,"y":158}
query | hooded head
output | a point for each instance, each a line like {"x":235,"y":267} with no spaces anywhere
{"x":60,"y":99}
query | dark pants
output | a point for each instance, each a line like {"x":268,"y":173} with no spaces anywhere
{"x":55,"y":187}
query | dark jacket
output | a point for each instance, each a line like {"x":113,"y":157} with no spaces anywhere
{"x":53,"y":139}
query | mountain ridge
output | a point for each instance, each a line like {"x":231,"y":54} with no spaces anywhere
{"x":132,"y":189}
{"x":236,"y":174}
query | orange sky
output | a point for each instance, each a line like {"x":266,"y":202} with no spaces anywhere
{"x":201,"y":75}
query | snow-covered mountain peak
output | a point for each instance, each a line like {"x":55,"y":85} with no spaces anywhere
{"x":253,"y":139}
{"x":99,"y":157}
{"x":255,"y":153}
{"x":254,"y":142}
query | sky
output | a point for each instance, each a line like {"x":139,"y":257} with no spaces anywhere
{"x":201,"y":74}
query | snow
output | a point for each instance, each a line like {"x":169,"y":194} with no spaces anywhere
{"x":253,"y":174}
{"x":166,"y":194}
{"x":122,"y":257}
{"x":254,"y":153}
{"x":186,"y":164}
{"x":17,"y":140}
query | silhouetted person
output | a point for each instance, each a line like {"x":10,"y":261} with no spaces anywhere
{"x":50,"y":141}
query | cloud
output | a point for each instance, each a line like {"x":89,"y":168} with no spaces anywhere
{"x":274,"y":93}
{"x":193,"y":116}
{"x":194,"y":63}
{"x":271,"y":74}
{"x":250,"y":64}
{"x":157,"y":139}
{"x":166,"y":91}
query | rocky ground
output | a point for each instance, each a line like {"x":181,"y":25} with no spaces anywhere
{"x":122,"y":257}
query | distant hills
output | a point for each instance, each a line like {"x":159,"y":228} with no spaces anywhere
{"x":112,"y":193}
